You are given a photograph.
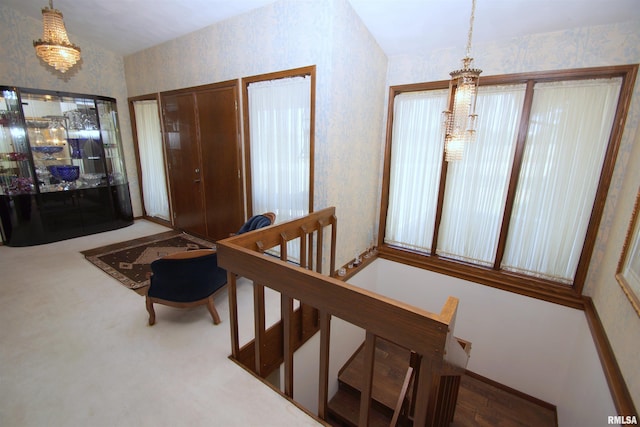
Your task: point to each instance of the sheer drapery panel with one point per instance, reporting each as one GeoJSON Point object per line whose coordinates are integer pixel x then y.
{"type": "Point", "coordinates": [279, 126]}
{"type": "Point", "coordinates": [154, 184]}
{"type": "Point", "coordinates": [476, 188]}
{"type": "Point", "coordinates": [416, 158]}
{"type": "Point", "coordinates": [279, 118]}
{"type": "Point", "coordinates": [566, 144]}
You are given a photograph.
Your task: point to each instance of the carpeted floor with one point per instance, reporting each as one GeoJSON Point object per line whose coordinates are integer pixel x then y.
{"type": "Point", "coordinates": [129, 262]}
{"type": "Point", "coordinates": [76, 349]}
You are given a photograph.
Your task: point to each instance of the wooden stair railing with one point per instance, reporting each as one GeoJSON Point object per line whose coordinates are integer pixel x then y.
{"type": "Point", "coordinates": [266, 352]}
{"type": "Point", "coordinates": [401, 406]}
{"type": "Point", "coordinates": [429, 335]}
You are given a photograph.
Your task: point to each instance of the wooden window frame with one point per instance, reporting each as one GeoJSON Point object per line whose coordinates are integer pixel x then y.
{"type": "Point", "coordinates": [630, 287]}
{"type": "Point", "coordinates": [134, 129]}
{"type": "Point", "coordinates": [568, 295]}
{"type": "Point", "coordinates": [246, 81]}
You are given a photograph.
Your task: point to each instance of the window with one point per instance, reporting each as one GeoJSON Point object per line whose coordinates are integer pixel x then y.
{"type": "Point", "coordinates": [151, 155]}
{"type": "Point", "coordinates": [522, 204]}
{"type": "Point", "coordinates": [279, 150]}
{"type": "Point", "coordinates": [279, 128]}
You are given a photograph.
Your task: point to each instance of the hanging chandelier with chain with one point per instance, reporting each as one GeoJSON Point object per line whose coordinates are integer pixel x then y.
{"type": "Point", "coordinates": [54, 47]}
{"type": "Point", "coordinates": [459, 122]}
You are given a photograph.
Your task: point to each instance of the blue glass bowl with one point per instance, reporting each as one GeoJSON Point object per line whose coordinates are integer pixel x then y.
{"type": "Point", "coordinates": [65, 172]}
{"type": "Point", "coordinates": [47, 149]}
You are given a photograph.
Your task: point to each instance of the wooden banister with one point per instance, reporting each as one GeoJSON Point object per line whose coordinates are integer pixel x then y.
{"type": "Point", "coordinates": [402, 397]}
{"type": "Point", "coordinates": [429, 335]}
{"type": "Point", "coordinates": [456, 353]}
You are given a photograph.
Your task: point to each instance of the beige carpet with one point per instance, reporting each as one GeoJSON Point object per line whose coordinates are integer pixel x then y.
{"type": "Point", "coordinates": [76, 349]}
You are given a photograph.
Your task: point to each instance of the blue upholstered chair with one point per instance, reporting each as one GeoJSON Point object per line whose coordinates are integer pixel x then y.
{"type": "Point", "coordinates": [191, 278]}
{"type": "Point", "coordinates": [186, 279]}
{"type": "Point", "coordinates": [257, 221]}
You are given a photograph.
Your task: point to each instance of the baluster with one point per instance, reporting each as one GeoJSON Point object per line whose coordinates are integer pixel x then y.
{"type": "Point", "coordinates": [425, 379]}
{"type": "Point", "coordinates": [319, 248]}
{"type": "Point", "coordinates": [283, 247]}
{"type": "Point", "coordinates": [259, 320]}
{"type": "Point", "coordinates": [367, 384]}
{"type": "Point", "coordinates": [325, 339]}
{"type": "Point", "coordinates": [310, 250]}
{"type": "Point", "coordinates": [334, 232]}
{"type": "Point", "coordinates": [303, 247]}
{"type": "Point", "coordinates": [233, 314]}
{"type": "Point", "coordinates": [286, 304]}
{"type": "Point", "coordinates": [286, 311]}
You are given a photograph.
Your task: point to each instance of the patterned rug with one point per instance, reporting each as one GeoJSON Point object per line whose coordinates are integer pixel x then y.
{"type": "Point", "coordinates": [129, 262]}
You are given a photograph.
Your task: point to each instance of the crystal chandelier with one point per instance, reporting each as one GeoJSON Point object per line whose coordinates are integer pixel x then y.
{"type": "Point", "coordinates": [459, 124]}
{"type": "Point", "coordinates": [54, 47]}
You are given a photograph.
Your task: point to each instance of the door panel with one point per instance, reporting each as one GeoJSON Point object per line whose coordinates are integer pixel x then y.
{"type": "Point", "coordinates": [221, 157]}
{"type": "Point", "coordinates": [183, 162]}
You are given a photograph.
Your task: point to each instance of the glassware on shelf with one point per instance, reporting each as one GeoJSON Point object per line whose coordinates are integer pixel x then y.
{"type": "Point", "coordinates": [92, 179]}
{"type": "Point", "coordinates": [18, 185]}
{"type": "Point", "coordinates": [77, 147]}
{"type": "Point", "coordinates": [57, 132]}
{"type": "Point", "coordinates": [45, 144]}
{"type": "Point", "coordinates": [47, 150]}
{"type": "Point", "coordinates": [14, 156]}
{"type": "Point", "coordinates": [44, 175]}
{"type": "Point", "coordinates": [357, 260]}
{"type": "Point", "coordinates": [68, 174]}
{"type": "Point", "coordinates": [116, 178]}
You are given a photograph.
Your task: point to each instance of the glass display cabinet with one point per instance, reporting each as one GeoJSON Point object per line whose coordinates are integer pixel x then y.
{"type": "Point", "coordinates": [62, 171]}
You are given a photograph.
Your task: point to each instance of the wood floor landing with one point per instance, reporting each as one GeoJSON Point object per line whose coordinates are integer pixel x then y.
{"type": "Point", "coordinates": [485, 404]}
{"type": "Point", "coordinates": [481, 402]}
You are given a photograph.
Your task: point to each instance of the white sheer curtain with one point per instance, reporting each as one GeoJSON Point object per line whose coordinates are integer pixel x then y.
{"type": "Point", "coordinates": [154, 186]}
{"type": "Point", "coordinates": [476, 188]}
{"type": "Point", "coordinates": [570, 127]}
{"type": "Point", "coordinates": [279, 126]}
{"type": "Point", "coordinates": [416, 158]}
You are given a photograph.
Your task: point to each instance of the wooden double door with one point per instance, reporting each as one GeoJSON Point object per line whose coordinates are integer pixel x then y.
{"type": "Point", "coordinates": [204, 161]}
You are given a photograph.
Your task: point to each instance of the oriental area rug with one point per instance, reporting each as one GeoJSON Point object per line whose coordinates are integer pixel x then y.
{"type": "Point", "coordinates": [130, 262]}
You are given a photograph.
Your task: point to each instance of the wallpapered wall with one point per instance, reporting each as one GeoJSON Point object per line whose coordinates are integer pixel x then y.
{"type": "Point", "coordinates": [100, 72]}
{"type": "Point", "coordinates": [350, 108]}
{"type": "Point", "coordinates": [349, 93]}
{"type": "Point", "coordinates": [586, 47]}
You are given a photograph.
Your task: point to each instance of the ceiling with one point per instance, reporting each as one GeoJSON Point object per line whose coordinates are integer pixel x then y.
{"type": "Point", "coordinates": [399, 26]}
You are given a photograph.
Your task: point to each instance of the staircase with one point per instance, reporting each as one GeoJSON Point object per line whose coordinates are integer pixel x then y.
{"type": "Point", "coordinates": [390, 366]}
{"type": "Point", "coordinates": [480, 402]}
{"type": "Point", "coordinates": [388, 378]}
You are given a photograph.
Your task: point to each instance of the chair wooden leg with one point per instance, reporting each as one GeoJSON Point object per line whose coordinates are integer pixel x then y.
{"type": "Point", "coordinates": [212, 310]}
{"type": "Point", "coordinates": [152, 313]}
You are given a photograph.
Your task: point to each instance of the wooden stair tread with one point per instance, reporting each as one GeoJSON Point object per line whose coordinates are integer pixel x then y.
{"type": "Point", "coordinates": [390, 368]}
{"type": "Point", "coordinates": [345, 407]}
{"type": "Point", "coordinates": [480, 403]}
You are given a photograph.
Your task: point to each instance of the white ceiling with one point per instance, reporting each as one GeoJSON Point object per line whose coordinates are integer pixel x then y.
{"type": "Point", "coordinates": [399, 26]}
